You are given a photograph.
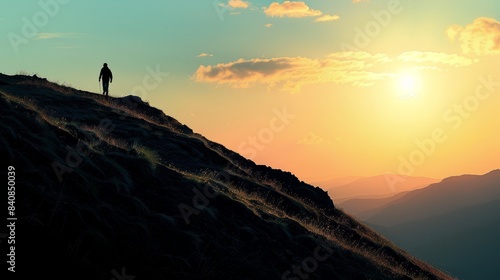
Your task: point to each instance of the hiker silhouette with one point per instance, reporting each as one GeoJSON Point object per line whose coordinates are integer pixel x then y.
{"type": "Point", "coordinates": [107, 77]}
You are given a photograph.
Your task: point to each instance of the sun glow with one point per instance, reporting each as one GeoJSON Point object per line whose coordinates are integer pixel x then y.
{"type": "Point", "coordinates": [408, 84]}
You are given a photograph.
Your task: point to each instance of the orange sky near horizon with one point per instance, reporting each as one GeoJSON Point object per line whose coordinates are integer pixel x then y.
{"type": "Point", "coordinates": [434, 123]}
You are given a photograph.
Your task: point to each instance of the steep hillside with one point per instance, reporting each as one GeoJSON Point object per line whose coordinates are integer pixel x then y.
{"type": "Point", "coordinates": [115, 189]}
{"type": "Point", "coordinates": [453, 224]}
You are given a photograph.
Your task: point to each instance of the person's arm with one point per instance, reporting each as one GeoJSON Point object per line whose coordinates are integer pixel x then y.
{"type": "Point", "coordinates": [110, 76]}
{"type": "Point", "coordinates": [100, 75]}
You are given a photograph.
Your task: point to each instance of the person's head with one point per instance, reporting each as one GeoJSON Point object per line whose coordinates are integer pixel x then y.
{"type": "Point", "coordinates": [105, 65]}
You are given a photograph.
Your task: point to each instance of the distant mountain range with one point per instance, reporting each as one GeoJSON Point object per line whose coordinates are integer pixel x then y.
{"type": "Point", "coordinates": [112, 188]}
{"type": "Point", "coordinates": [331, 183]}
{"type": "Point", "coordinates": [360, 207]}
{"type": "Point", "coordinates": [381, 186]}
{"type": "Point", "coordinates": [453, 224]}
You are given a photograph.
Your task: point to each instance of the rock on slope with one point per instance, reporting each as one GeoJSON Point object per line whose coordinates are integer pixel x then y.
{"type": "Point", "coordinates": [113, 188]}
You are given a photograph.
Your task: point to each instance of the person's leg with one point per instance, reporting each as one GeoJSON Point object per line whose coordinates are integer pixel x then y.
{"type": "Point", "coordinates": [105, 86]}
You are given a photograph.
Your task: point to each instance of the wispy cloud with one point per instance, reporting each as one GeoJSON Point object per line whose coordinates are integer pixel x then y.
{"type": "Point", "coordinates": [434, 58]}
{"type": "Point", "coordinates": [204, 55]}
{"type": "Point", "coordinates": [327, 18]}
{"type": "Point", "coordinates": [481, 37]}
{"type": "Point", "coordinates": [44, 36]}
{"type": "Point", "coordinates": [311, 139]}
{"type": "Point", "coordinates": [60, 35]}
{"type": "Point", "coordinates": [268, 25]}
{"type": "Point", "coordinates": [361, 56]}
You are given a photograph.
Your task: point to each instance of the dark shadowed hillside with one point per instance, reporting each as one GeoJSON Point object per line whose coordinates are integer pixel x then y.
{"type": "Point", "coordinates": [115, 189]}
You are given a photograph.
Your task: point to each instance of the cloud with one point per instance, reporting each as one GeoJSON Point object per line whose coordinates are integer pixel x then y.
{"type": "Point", "coordinates": [61, 43]}
{"type": "Point", "coordinates": [268, 25]}
{"type": "Point", "coordinates": [359, 1]}
{"type": "Point", "coordinates": [355, 68]}
{"type": "Point", "coordinates": [235, 4]}
{"type": "Point", "coordinates": [47, 36]}
{"type": "Point", "coordinates": [292, 73]}
{"type": "Point", "coordinates": [311, 139]}
{"type": "Point", "coordinates": [297, 10]}
{"type": "Point", "coordinates": [363, 60]}
{"type": "Point", "coordinates": [327, 18]}
{"type": "Point", "coordinates": [291, 9]}
{"type": "Point", "coordinates": [44, 36]}
{"type": "Point", "coordinates": [204, 55]}
{"type": "Point", "coordinates": [434, 58]}
{"type": "Point", "coordinates": [453, 31]}
{"type": "Point", "coordinates": [481, 37]}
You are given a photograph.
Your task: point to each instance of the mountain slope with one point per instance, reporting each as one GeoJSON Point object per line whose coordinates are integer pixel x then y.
{"type": "Point", "coordinates": [107, 188]}
{"type": "Point", "coordinates": [453, 224]}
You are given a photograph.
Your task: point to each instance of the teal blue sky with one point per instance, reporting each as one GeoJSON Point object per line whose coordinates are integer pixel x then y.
{"type": "Point", "coordinates": [131, 35]}
{"type": "Point", "coordinates": [69, 40]}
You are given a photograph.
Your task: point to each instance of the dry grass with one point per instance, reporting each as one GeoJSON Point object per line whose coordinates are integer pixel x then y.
{"type": "Point", "coordinates": [44, 83]}
{"type": "Point", "coordinates": [148, 154]}
{"type": "Point", "coordinates": [31, 105]}
{"type": "Point", "coordinates": [105, 137]}
{"type": "Point", "coordinates": [322, 226]}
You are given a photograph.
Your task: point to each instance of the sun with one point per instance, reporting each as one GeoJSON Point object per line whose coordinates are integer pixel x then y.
{"type": "Point", "coordinates": [408, 84]}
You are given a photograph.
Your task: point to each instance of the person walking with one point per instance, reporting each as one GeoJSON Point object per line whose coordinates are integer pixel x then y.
{"type": "Point", "coordinates": [107, 77]}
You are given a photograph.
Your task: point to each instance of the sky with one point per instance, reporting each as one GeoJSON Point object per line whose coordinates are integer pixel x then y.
{"type": "Point", "coordinates": [322, 88]}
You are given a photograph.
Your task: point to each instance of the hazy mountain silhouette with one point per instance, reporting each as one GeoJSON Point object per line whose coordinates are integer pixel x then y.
{"type": "Point", "coordinates": [358, 206]}
{"type": "Point", "coordinates": [381, 186]}
{"type": "Point", "coordinates": [108, 188]}
{"type": "Point", "coordinates": [453, 224]}
{"type": "Point", "coordinates": [332, 183]}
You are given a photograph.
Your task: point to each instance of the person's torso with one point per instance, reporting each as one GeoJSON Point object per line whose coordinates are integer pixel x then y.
{"type": "Point", "coordinates": [106, 73]}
